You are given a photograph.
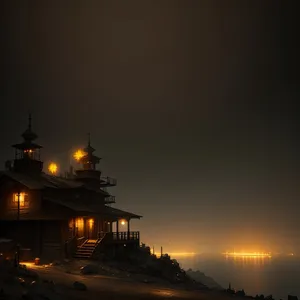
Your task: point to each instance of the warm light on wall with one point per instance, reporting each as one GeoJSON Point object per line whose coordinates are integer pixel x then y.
{"type": "Point", "coordinates": [79, 223]}
{"type": "Point", "coordinates": [91, 223]}
{"type": "Point", "coordinates": [20, 198]}
{"type": "Point", "coordinates": [53, 168]}
{"type": "Point", "coordinates": [79, 154]}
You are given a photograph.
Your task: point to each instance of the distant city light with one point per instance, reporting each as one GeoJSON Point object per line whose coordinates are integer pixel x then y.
{"type": "Point", "coordinates": [247, 254]}
{"type": "Point", "coordinates": [53, 168]}
{"type": "Point", "coordinates": [79, 154]}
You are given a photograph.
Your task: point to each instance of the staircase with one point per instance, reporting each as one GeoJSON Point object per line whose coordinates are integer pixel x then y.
{"type": "Point", "coordinates": [87, 249]}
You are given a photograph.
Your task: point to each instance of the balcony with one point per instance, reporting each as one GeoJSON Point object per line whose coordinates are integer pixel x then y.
{"type": "Point", "coordinates": [108, 181]}
{"type": "Point", "coordinates": [124, 236]}
{"type": "Point", "coordinates": [110, 200]}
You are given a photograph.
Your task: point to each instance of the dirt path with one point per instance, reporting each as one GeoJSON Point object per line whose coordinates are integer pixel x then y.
{"type": "Point", "coordinates": [105, 287]}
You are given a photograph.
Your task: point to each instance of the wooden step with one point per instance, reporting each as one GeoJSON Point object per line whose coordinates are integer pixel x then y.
{"type": "Point", "coordinates": [87, 249]}
{"type": "Point", "coordinates": [84, 251]}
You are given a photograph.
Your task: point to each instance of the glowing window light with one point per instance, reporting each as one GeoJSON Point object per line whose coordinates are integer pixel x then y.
{"type": "Point", "coordinates": [28, 151]}
{"type": "Point", "coordinates": [79, 223]}
{"type": "Point", "coordinates": [53, 168]}
{"type": "Point", "coordinates": [91, 223]}
{"type": "Point", "coordinates": [22, 198]}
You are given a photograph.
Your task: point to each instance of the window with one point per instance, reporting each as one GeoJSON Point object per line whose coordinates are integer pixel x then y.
{"type": "Point", "coordinates": [23, 198]}
{"type": "Point", "coordinates": [79, 224]}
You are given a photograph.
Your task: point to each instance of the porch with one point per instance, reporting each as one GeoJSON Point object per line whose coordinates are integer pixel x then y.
{"type": "Point", "coordinates": [89, 236]}
{"type": "Point", "coordinates": [123, 236]}
{"type": "Point", "coordinates": [95, 228]}
{"type": "Point", "coordinates": [84, 248]}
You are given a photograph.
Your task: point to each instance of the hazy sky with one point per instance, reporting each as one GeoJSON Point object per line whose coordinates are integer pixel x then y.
{"type": "Point", "coordinates": [191, 104]}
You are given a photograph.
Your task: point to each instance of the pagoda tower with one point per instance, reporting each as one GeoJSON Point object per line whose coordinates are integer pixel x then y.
{"type": "Point", "coordinates": [89, 173]}
{"type": "Point", "coordinates": [27, 154]}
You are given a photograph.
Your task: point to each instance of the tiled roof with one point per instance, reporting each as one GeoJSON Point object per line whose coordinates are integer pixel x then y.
{"type": "Point", "coordinates": [72, 205]}
{"type": "Point", "coordinates": [40, 181]}
{"type": "Point", "coordinates": [94, 209]}
{"type": "Point", "coordinates": [119, 213]}
{"type": "Point", "coordinates": [30, 182]}
{"type": "Point", "coordinates": [59, 182]}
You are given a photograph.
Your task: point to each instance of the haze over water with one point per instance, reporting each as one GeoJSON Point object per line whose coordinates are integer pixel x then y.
{"type": "Point", "coordinates": [278, 275]}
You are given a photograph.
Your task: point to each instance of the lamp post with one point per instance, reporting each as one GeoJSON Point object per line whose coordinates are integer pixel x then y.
{"type": "Point", "coordinates": [17, 259]}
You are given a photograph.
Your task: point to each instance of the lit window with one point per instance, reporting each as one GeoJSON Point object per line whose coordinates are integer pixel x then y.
{"type": "Point", "coordinates": [79, 223]}
{"type": "Point", "coordinates": [22, 198]}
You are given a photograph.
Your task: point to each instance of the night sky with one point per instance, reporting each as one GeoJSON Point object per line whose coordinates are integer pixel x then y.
{"type": "Point", "coordinates": [191, 104]}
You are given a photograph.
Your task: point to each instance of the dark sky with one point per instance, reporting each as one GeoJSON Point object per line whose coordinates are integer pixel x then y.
{"type": "Point", "coordinates": [191, 104]}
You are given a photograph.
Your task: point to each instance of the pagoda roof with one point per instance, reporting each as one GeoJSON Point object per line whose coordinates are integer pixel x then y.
{"type": "Point", "coordinates": [29, 135]}
{"type": "Point", "coordinates": [90, 158]}
{"type": "Point", "coordinates": [27, 145]}
{"type": "Point", "coordinates": [89, 148]}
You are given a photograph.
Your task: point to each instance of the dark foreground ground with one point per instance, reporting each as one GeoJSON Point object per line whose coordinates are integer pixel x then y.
{"type": "Point", "coordinates": [111, 287]}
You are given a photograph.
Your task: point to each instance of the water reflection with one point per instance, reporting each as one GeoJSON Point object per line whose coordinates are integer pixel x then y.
{"type": "Point", "coordinates": [257, 261]}
{"type": "Point", "coordinates": [277, 275]}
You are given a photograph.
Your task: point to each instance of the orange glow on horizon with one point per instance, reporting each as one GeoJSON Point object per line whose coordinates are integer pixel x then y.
{"type": "Point", "coordinates": [181, 253]}
{"type": "Point", "coordinates": [248, 254]}
{"type": "Point", "coordinates": [79, 154]}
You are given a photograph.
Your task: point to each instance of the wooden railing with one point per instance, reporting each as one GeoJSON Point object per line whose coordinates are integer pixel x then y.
{"type": "Point", "coordinates": [72, 246]}
{"type": "Point", "coordinates": [124, 236]}
{"type": "Point", "coordinates": [108, 181]}
{"type": "Point", "coordinates": [110, 199]}
{"type": "Point", "coordinates": [80, 241]}
{"type": "Point", "coordinates": [101, 235]}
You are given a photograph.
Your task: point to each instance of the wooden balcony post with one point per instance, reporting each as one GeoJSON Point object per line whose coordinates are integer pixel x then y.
{"type": "Point", "coordinates": [74, 226]}
{"type": "Point", "coordinates": [128, 229]}
{"type": "Point", "coordinates": [117, 225]}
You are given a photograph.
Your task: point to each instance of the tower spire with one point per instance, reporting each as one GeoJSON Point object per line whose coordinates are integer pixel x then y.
{"type": "Point", "coordinates": [89, 172]}
{"type": "Point", "coordinates": [27, 156]}
{"type": "Point", "coordinates": [29, 121]}
{"type": "Point", "coordinates": [89, 139]}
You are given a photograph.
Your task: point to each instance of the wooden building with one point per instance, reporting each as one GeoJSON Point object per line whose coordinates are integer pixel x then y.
{"type": "Point", "coordinates": [57, 217]}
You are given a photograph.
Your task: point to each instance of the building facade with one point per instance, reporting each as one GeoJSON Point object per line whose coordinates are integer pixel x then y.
{"type": "Point", "coordinates": [61, 217]}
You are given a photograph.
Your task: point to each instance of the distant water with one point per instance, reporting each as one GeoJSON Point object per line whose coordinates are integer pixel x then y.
{"type": "Point", "coordinates": [279, 275]}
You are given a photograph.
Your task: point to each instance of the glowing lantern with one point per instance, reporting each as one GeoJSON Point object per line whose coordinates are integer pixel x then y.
{"type": "Point", "coordinates": [79, 154]}
{"type": "Point", "coordinates": [53, 168]}
{"type": "Point", "coordinates": [123, 222]}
